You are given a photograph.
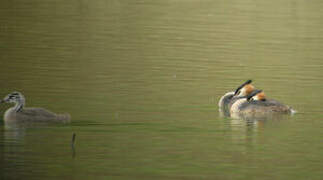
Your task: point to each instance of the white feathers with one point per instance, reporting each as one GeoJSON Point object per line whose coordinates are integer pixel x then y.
{"type": "Point", "coordinates": [236, 106]}
{"type": "Point", "coordinates": [221, 103]}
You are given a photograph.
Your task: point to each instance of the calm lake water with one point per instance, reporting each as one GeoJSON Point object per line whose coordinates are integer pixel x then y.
{"type": "Point", "coordinates": [141, 80]}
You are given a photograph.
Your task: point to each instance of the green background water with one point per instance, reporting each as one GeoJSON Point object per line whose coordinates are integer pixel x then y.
{"type": "Point", "coordinates": [141, 80]}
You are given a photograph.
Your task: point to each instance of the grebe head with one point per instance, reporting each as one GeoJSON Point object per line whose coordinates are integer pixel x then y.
{"type": "Point", "coordinates": [257, 95]}
{"type": "Point", "coordinates": [15, 97]}
{"type": "Point", "coordinates": [244, 89]}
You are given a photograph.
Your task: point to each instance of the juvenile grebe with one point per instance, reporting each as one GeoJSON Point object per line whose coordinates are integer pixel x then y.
{"type": "Point", "coordinates": [20, 114]}
{"type": "Point", "coordinates": [257, 104]}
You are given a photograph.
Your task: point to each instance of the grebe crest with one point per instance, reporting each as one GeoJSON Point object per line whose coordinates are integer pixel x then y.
{"type": "Point", "coordinates": [244, 89]}
{"type": "Point", "coordinates": [257, 95]}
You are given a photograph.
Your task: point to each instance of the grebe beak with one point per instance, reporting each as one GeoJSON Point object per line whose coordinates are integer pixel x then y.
{"type": "Point", "coordinates": [5, 100]}
{"type": "Point", "coordinates": [241, 86]}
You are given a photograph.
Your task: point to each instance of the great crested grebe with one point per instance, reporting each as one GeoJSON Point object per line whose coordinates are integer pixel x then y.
{"type": "Point", "coordinates": [257, 104]}
{"type": "Point", "coordinates": [20, 114]}
{"type": "Point", "coordinates": [229, 98]}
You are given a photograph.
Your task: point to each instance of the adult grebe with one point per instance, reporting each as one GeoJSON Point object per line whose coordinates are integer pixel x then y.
{"type": "Point", "coordinates": [257, 104]}
{"type": "Point", "coordinates": [229, 98]}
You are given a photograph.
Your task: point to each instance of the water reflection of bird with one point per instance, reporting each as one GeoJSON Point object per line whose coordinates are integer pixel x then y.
{"type": "Point", "coordinates": [20, 114]}
{"type": "Point", "coordinates": [229, 98]}
{"type": "Point", "coordinates": [256, 104]}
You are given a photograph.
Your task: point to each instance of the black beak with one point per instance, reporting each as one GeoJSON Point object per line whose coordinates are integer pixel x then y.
{"type": "Point", "coordinates": [241, 86]}
{"type": "Point", "coordinates": [255, 92]}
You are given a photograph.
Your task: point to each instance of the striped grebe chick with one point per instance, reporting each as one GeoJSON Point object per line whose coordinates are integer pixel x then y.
{"type": "Point", "coordinates": [20, 114]}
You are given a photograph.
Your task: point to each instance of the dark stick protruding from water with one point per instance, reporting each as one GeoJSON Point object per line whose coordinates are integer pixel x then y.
{"type": "Point", "coordinates": [73, 144]}
{"type": "Point", "coordinates": [73, 140]}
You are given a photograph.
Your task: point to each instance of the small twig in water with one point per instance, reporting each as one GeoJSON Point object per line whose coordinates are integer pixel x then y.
{"type": "Point", "coordinates": [73, 144]}
{"type": "Point", "coordinates": [73, 140]}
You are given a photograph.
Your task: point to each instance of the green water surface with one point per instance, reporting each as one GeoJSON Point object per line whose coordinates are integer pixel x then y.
{"type": "Point", "coordinates": [142, 79]}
